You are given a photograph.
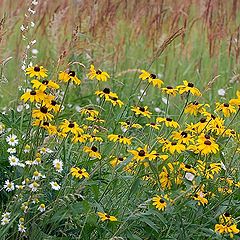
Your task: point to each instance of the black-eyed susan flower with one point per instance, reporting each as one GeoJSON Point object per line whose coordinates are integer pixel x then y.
{"type": "Point", "coordinates": [79, 172]}
{"type": "Point", "coordinates": [127, 125]}
{"type": "Point", "coordinates": [89, 111]}
{"type": "Point", "coordinates": [201, 198]}
{"type": "Point", "coordinates": [92, 152]}
{"type": "Point", "coordinates": [120, 139]}
{"type": "Point", "coordinates": [33, 95]}
{"type": "Point", "coordinates": [140, 154]}
{"type": "Point", "coordinates": [115, 101]}
{"type": "Point", "coordinates": [52, 105]}
{"type": "Point", "coordinates": [95, 119]}
{"type": "Point", "coordinates": [169, 122]}
{"type": "Point", "coordinates": [37, 71]}
{"type": "Point", "coordinates": [151, 78]}
{"type": "Point", "coordinates": [165, 179]}
{"type": "Point", "coordinates": [116, 160]}
{"type": "Point", "coordinates": [69, 126]}
{"type": "Point", "coordinates": [81, 138]}
{"type": "Point", "coordinates": [182, 137]}
{"type": "Point", "coordinates": [159, 202]}
{"type": "Point", "coordinates": [153, 125]}
{"type": "Point", "coordinates": [188, 87]}
{"type": "Point", "coordinates": [42, 86]}
{"type": "Point", "coordinates": [169, 90]}
{"type": "Point", "coordinates": [142, 111]}
{"type": "Point", "coordinates": [207, 145]}
{"type": "Point", "coordinates": [52, 129]}
{"type": "Point", "coordinates": [106, 217]}
{"type": "Point", "coordinates": [173, 147]}
{"type": "Point", "coordinates": [70, 76]}
{"type": "Point", "coordinates": [98, 74]}
{"type": "Point", "coordinates": [235, 101]}
{"type": "Point", "coordinates": [208, 170]}
{"type": "Point", "coordinates": [226, 108]}
{"type": "Point", "coordinates": [106, 93]}
{"type": "Point", "coordinates": [42, 114]}
{"type": "Point", "coordinates": [194, 108]}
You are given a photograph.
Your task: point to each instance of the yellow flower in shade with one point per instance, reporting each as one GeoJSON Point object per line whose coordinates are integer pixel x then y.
{"type": "Point", "coordinates": [79, 172]}
{"type": "Point", "coordinates": [120, 139]}
{"type": "Point", "coordinates": [182, 137]}
{"type": "Point", "coordinates": [207, 145]}
{"type": "Point", "coordinates": [115, 101]}
{"type": "Point", "coordinates": [52, 130]}
{"type": "Point", "coordinates": [173, 147]}
{"type": "Point", "coordinates": [127, 125]}
{"type": "Point", "coordinates": [69, 126]}
{"type": "Point", "coordinates": [169, 122]}
{"type": "Point", "coordinates": [39, 72]}
{"type": "Point", "coordinates": [153, 125]}
{"type": "Point", "coordinates": [216, 125]}
{"type": "Point", "coordinates": [52, 105]}
{"type": "Point", "coordinates": [201, 198]}
{"type": "Point", "coordinates": [152, 78]}
{"type": "Point", "coordinates": [42, 86]}
{"type": "Point", "coordinates": [188, 87]}
{"type": "Point", "coordinates": [116, 160]}
{"type": "Point", "coordinates": [170, 91]}
{"type": "Point", "coordinates": [92, 152]}
{"type": "Point", "coordinates": [208, 170]}
{"type": "Point", "coordinates": [142, 111]}
{"type": "Point", "coordinates": [33, 95]}
{"type": "Point", "coordinates": [159, 202]}
{"type": "Point", "coordinates": [106, 217]}
{"type": "Point", "coordinates": [235, 101]}
{"type": "Point", "coordinates": [99, 74]}
{"type": "Point", "coordinates": [89, 111]}
{"type": "Point", "coordinates": [230, 133]}
{"type": "Point", "coordinates": [94, 138]}
{"type": "Point", "coordinates": [226, 108]}
{"type": "Point", "coordinates": [165, 179]}
{"type": "Point", "coordinates": [42, 114]}
{"type": "Point", "coordinates": [66, 77]}
{"type": "Point", "coordinates": [188, 168]}
{"type": "Point", "coordinates": [106, 93]}
{"type": "Point", "coordinates": [194, 108]}
{"type": "Point", "coordinates": [82, 138]}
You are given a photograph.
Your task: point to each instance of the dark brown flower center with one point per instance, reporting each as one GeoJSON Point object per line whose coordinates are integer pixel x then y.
{"type": "Point", "coordinates": [45, 82]}
{"type": "Point", "coordinates": [94, 149]}
{"type": "Point", "coordinates": [33, 93]}
{"type": "Point", "coordinates": [184, 134]}
{"type": "Point", "coordinates": [80, 171]}
{"type": "Point", "coordinates": [53, 102]}
{"type": "Point", "coordinates": [226, 214]}
{"type": "Point", "coordinates": [72, 74]}
{"type": "Point", "coordinates": [153, 76]}
{"type": "Point", "coordinates": [207, 136]}
{"type": "Point", "coordinates": [45, 124]}
{"type": "Point", "coordinates": [71, 125]}
{"type": "Point", "coordinates": [107, 216]}
{"type": "Point", "coordinates": [162, 201]}
{"type": "Point", "coordinates": [190, 85]}
{"type": "Point", "coordinates": [36, 69]}
{"type": "Point", "coordinates": [152, 123]}
{"type": "Point", "coordinates": [169, 87]}
{"type": "Point", "coordinates": [98, 72]}
{"type": "Point", "coordinates": [142, 109]}
{"type": "Point", "coordinates": [202, 120]}
{"type": "Point", "coordinates": [120, 159]}
{"type": "Point", "coordinates": [141, 153]}
{"type": "Point", "coordinates": [226, 105]}
{"type": "Point", "coordinates": [169, 119]}
{"type": "Point", "coordinates": [106, 90]}
{"type": "Point", "coordinates": [195, 103]}
{"type": "Point", "coordinates": [188, 166]}
{"type": "Point", "coordinates": [43, 109]}
{"type": "Point", "coordinates": [207, 142]}
{"type": "Point", "coordinates": [174, 143]}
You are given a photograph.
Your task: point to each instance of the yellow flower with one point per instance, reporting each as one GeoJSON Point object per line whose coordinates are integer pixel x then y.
{"type": "Point", "coordinates": [236, 101]}
{"type": "Point", "coordinates": [39, 72]}
{"type": "Point", "coordinates": [226, 108]}
{"type": "Point", "coordinates": [117, 160]}
{"type": "Point", "coordinates": [200, 197]}
{"type": "Point", "coordinates": [165, 179]}
{"type": "Point", "coordinates": [67, 126]}
{"type": "Point", "coordinates": [92, 152]}
{"type": "Point", "coordinates": [182, 137]}
{"type": "Point", "coordinates": [106, 93]}
{"type": "Point", "coordinates": [159, 203]}
{"type": "Point", "coordinates": [126, 125]}
{"type": "Point", "coordinates": [194, 108]}
{"type": "Point", "coordinates": [173, 147]}
{"type": "Point", "coordinates": [120, 139]}
{"type": "Point", "coordinates": [153, 125]}
{"type": "Point", "coordinates": [207, 145]}
{"type": "Point", "coordinates": [170, 91]}
{"type": "Point", "coordinates": [188, 87]}
{"type": "Point", "coordinates": [105, 216]}
{"type": "Point", "coordinates": [82, 138]}
{"type": "Point", "coordinates": [99, 74]}
{"type": "Point", "coordinates": [169, 122]}
{"type": "Point", "coordinates": [42, 114]}
{"type": "Point", "coordinates": [95, 119]}
{"type": "Point", "coordinates": [71, 75]}
{"type": "Point", "coordinates": [33, 95]}
{"type": "Point", "coordinates": [115, 101]}
{"type": "Point", "coordinates": [142, 111]}
{"type": "Point", "coordinates": [42, 86]}
{"type": "Point", "coordinates": [79, 173]}
{"type": "Point", "coordinates": [140, 154]}
{"type": "Point", "coordinates": [152, 78]}
{"type": "Point", "coordinates": [89, 111]}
